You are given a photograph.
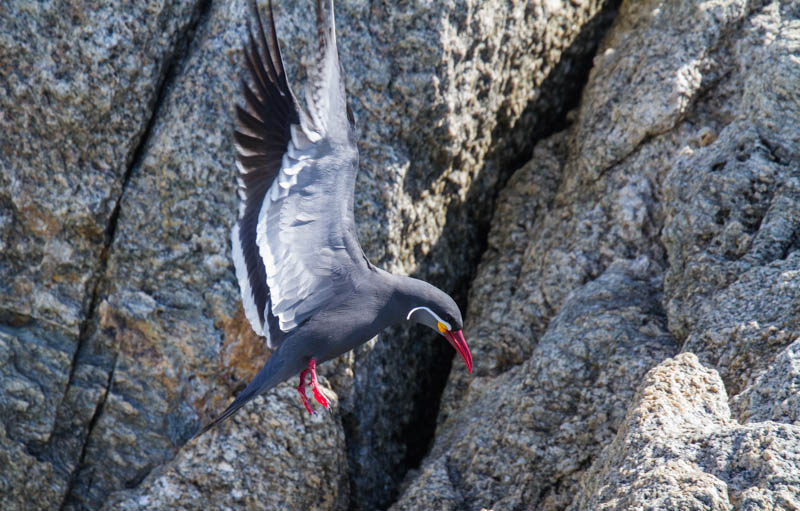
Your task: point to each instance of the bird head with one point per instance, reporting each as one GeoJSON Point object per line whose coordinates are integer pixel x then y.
{"type": "Point", "coordinates": [444, 317]}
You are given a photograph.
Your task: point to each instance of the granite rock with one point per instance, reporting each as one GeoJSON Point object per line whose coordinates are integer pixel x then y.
{"type": "Point", "coordinates": [662, 215]}
{"type": "Point", "coordinates": [553, 413]}
{"type": "Point", "coordinates": [679, 448]}
{"type": "Point", "coordinates": [24, 478]}
{"type": "Point", "coordinates": [169, 332]}
{"type": "Point", "coordinates": [272, 456]}
{"type": "Point", "coordinates": [774, 395]}
{"type": "Point", "coordinates": [679, 154]}
{"type": "Point", "coordinates": [84, 83]}
{"type": "Point", "coordinates": [78, 87]}
{"type": "Point", "coordinates": [33, 374]}
{"type": "Point", "coordinates": [446, 94]}
{"type": "Point", "coordinates": [733, 210]}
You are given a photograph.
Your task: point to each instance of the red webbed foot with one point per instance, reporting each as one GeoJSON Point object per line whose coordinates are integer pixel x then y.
{"type": "Point", "coordinates": [301, 389]}
{"type": "Point", "coordinates": [312, 366]}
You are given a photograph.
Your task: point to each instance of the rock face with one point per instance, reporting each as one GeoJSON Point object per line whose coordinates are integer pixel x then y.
{"type": "Point", "coordinates": [679, 448]}
{"type": "Point", "coordinates": [457, 87]}
{"type": "Point", "coordinates": [555, 411]}
{"type": "Point", "coordinates": [661, 217]}
{"type": "Point", "coordinates": [679, 156]}
{"type": "Point", "coordinates": [775, 394]}
{"type": "Point", "coordinates": [120, 329]}
{"type": "Point", "coordinates": [253, 464]}
{"type": "Point", "coordinates": [78, 87]}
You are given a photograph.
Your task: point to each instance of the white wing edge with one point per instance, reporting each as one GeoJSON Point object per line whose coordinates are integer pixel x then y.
{"type": "Point", "coordinates": [250, 310]}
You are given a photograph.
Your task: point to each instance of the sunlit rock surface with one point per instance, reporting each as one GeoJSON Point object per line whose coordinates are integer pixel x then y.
{"type": "Point", "coordinates": [659, 216]}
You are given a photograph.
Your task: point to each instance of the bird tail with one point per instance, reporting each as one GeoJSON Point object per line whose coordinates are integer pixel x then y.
{"type": "Point", "coordinates": [268, 377]}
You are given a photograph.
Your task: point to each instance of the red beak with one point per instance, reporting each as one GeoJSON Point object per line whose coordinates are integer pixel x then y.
{"type": "Point", "coordinates": [460, 344]}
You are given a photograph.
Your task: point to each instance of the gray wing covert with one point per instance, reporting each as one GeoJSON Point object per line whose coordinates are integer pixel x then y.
{"type": "Point", "coordinates": [297, 172]}
{"type": "Point", "coordinates": [302, 236]}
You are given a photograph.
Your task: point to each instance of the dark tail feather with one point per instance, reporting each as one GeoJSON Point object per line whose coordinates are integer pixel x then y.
{"type": "Point", "coordinates": [268, 377]}
{"type": "Point", "coordinates": [233, 408]}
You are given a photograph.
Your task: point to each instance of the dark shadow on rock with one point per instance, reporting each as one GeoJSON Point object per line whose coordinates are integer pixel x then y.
{"type": "Point", "coordinates": [392, 432]}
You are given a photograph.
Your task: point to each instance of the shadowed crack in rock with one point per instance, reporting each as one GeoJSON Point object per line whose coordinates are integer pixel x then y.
{"type": "Point", "coordinates": [99, 282]}
{"type": "Point", "coordinates": [542, 117]}
{"type": "Point", "coordinates": [92, 423]}
{"type": "Point", "coordinates": [166, 79]}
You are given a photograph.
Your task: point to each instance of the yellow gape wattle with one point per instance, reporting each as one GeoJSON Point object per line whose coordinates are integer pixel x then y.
{"type": "Point", "coordinates": [441, 326]}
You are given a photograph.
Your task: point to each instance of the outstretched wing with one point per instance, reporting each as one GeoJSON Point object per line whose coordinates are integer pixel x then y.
{"type": "Point", "coordinates": [294, 241]}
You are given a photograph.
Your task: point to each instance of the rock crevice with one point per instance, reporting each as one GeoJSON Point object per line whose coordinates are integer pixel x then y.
{"type": "Point", "coordinates": [588, 248]}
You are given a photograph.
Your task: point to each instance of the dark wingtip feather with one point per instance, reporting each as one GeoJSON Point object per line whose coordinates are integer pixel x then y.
{"type": "Point", "coordinates": [262, 136]}
{"type": "Point", "coordinates": [249, 143]}
{"type": "Point", "coordinates": [274, 59]}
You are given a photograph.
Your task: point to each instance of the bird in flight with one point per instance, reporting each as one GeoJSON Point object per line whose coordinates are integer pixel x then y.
{"type": "Point", "coordinates": [306, 285]}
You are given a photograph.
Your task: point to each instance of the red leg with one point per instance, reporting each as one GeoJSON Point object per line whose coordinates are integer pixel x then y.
{"type": "Point", "coordinates": [312, 366]}
{"type": "Point", "coordinates": [302, 390]}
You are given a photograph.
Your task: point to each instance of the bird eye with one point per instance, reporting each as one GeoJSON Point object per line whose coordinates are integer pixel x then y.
{"type": "Point", "coordinates": [442, 327]}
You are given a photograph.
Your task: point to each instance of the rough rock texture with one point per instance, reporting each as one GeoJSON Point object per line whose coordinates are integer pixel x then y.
{"type": "Point", "coordinates": [169, 305]}
{"type": "Point", "coordinates": [25, 476]}
{"type": "Point", "coordinates": [458, 87]}
{"type": "Point", "coordinates": [663, 217]}
{"type": "Point", "coordinates": [775, 394]}
{"type": "Point", "coordinates": [118, 304]}
{"type": "Point", "coordinates": [265, 459]}
{"type": "Point", "coordinates": [78, 85]}
{"type": "Point", "coordinates": [34, 369]}
{"type": "Point", "coordinates": [683, 152]}
{"type": "Point", "coordinates": [556, 410]}
{"type": "Point", "coordinates": [679, 448]}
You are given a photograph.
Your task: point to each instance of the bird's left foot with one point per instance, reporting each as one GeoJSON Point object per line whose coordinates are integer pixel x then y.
{"type": "Point", "coordinates": [301, 389]}
{"type": "Point", "coordinates": [312, 366]}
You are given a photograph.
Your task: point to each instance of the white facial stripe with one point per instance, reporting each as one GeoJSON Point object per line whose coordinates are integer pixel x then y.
{"type": "Point", "coordinates": [415, 309]}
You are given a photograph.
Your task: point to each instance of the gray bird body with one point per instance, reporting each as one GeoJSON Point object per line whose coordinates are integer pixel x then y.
{"type": "Point", "coordinates": [306, 284]}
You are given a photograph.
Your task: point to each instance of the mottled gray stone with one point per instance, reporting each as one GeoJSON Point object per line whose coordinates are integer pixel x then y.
{"type": "Point", "coordinates": [775, 394]}
{"type": "Point", "coordinates": [33, 376]}
{"type": "Point", "coordinates": [732, 236]}
{"type": "Point", "coordinates": [733, 206]}
{"type": "Point", "coordinates": [34, 370]}
{"type": "Point", "coordinates": [25, 482]}
{"type": "Point", "coordinates": [638, 177]}
{"type": "Point", "coordinates": [435, 87]}
{"type": "Point", "coordinates": [78, 85]}
{"type": "Point", "coordinates": [169, 297]}
{"type": "Point", "coordinates": [653, 68]}
{"type": "Point", "coordinates": [575, 230]}
{"type": "Point", "coordinates": [522, 439]}
{"type": "Point", "coordinates": [680, 166]}
{"type": "Point", "coordinates": [497, 332]}
{"type": "Point", "coordinates": [445, 95]}
{"type": "Point", "coordinates": [270, 457]}
{"type": "Point", "coordinates": [679, 448]}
